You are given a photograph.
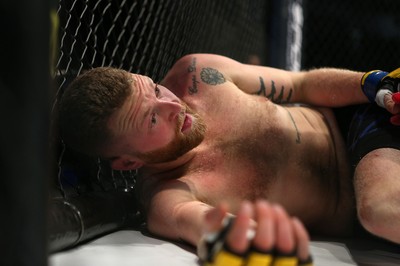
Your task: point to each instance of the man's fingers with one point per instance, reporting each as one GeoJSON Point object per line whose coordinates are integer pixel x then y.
{"type": "Point", "coordinates": [389, 104]}
{"type": "Point", "coordinates": [237, 238]}
{"type": "Point", "coordinates": [285, 242]}
{"type": "Point", "coordinates": [302, 240]}
{"type": "Point", "coordinates": [264, 239]}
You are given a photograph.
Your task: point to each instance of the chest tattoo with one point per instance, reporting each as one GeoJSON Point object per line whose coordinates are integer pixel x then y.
{"type": "Point", "coordinates": [298, 139]}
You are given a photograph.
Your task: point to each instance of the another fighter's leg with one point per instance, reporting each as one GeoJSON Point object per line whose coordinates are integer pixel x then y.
{"type": "Point", "coordinates": [377, 190]}
{"type": "Point", "coordinates": [374, 147]}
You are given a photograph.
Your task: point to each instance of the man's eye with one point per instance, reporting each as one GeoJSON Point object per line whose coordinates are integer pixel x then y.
{"type": "Point", "coordinates": [157, 91]}
{"type": "Point", "coordinates": [153, 119]}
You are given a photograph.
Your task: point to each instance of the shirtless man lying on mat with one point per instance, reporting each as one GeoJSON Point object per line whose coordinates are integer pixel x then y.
{"type": "Point", "coordinates": [216, 137]}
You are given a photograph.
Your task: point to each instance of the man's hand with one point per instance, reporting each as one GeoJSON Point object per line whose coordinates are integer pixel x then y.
{"type": "Point", "coordinates": [384, 89]}
{"type": "Point", "coordinates": [260, 234]}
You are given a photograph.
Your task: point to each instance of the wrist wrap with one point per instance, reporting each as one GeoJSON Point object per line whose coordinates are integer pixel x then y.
{"type": "Point", "coordinates": [370, 83]}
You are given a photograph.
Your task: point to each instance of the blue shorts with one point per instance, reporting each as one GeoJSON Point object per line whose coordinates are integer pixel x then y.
{"type": "Point", "coordinates": [370, 129]}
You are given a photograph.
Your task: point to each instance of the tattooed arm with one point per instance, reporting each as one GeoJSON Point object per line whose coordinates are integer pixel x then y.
{"type": "Point", "coordinates": [324, 87]}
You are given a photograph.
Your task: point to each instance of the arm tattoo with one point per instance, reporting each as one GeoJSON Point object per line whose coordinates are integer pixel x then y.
{"type": "Point", "coordinates": [272, 96]}
{"type": "Point", "coordinates": [211, 76]}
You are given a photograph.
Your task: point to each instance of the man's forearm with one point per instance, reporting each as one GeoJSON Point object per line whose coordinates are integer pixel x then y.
{"type": "Point", "coordinates": [330, 87]}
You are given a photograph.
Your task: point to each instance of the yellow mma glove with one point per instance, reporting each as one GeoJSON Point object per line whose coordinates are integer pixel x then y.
{"type": "Point", "coordinates": [376, 84]}
{"type": "Point", "coordinates": [213, 251]}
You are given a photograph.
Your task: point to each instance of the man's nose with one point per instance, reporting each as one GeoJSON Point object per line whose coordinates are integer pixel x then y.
{"type": "Point", "coordinates": [171, 109]}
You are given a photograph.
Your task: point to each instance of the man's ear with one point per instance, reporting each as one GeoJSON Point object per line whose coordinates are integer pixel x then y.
{"type": "Point", "coordinates": [125, 163]}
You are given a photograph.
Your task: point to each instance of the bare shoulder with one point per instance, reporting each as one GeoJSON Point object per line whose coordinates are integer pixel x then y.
{"type": "Point", "coordinates": [196, 63]}
{"type": "Point", "coordinates": [194, 72]}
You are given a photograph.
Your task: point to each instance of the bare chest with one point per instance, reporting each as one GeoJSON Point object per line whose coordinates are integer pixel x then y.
{"type": "Point", "coordinates": [254, 149]}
